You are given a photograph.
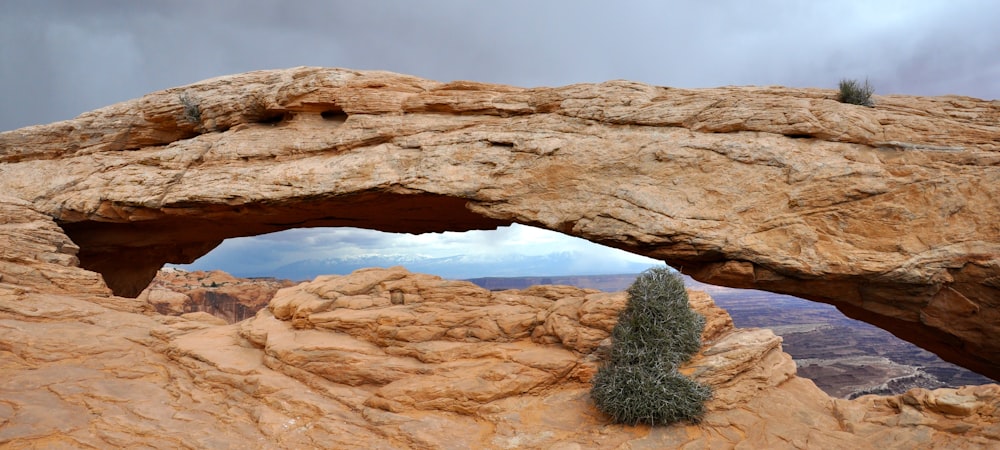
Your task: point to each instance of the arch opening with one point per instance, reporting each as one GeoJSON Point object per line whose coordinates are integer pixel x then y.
{"type": "Point", "coordinates": [844, 357]}
{"type": "Point", "coordinates": [302, 254]}
{"type": "Point", "coordinates": [128, 253]}
{"type": "Point", "coordinates": [129, 243]}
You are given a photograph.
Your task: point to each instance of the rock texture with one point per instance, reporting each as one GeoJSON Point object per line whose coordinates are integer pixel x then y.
{"type": "Point", "coordinates": [176, 292]}
{"type": "Point", "coordinates": [890, 212]}
{"type": "Point", "coordinates": [384, 358]}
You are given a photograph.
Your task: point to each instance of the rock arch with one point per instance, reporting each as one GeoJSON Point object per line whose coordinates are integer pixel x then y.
{"type": "Point", "coordinates": [888, 213]}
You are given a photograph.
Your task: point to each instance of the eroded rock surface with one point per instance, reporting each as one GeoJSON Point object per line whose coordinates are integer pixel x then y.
{"type": "Point", "coordinates": [890, 212]}
{"type": "Point", "coordinates": [446, 364]}
{"type": "Point", "coordinates": [384, 358]}
{"type": "Point", "coordinates": [176, 292]}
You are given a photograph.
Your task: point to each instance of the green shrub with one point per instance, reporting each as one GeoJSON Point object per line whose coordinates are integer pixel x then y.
{"type": "Point", "coordinates": [657, 318]}
{"type": "Point", "coordinates": [856, 93]}
{"type": "Point", "coordinates": [634, 394]}
{"type": "Point", "coordinates": [657, 331]}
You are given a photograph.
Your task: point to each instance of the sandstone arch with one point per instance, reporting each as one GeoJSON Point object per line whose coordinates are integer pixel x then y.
{"type": "Point", "coordinates": [888, 213]}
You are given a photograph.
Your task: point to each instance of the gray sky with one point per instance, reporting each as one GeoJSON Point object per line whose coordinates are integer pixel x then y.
{"type": "Point", "coordinates": [61, 58]}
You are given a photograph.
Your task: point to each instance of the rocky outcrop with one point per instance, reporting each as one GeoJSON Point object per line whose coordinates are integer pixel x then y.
{"type": "Point", "coordinates": [887, 212]}
{"type": "Point", "coordinates": [232, 299]}
{"type": "Point", "coordinates": [384, 358]}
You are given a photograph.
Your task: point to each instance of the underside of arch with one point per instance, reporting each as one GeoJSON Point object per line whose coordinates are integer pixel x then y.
{"type": "Point", "coordinates": [129, 254]}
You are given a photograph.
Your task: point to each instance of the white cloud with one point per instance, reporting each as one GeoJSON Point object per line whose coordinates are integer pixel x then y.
{"type": "Point", "coordinates": [259, 254]}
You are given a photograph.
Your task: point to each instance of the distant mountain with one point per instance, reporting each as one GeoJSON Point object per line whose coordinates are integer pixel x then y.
{"type": "Point", "coordinates": [606, 283]}
{"type": "Point", "coordinates": [464, 266]}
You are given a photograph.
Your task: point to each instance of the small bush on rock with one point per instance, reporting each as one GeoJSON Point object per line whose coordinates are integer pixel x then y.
{"type": "Point", "coordinates": [856, 93]}
{"type": "Point", "coordinates": [641, 394]}
{"type": "Point", "coordinates": [656, 332]}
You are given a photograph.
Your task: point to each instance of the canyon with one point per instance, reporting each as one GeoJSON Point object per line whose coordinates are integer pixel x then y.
{"type": "Point", "coordinates": [176, 292]}
{"type": "Point", "coordinates": [845, 358]}
{"type": "Point", "coordinates": [887, 213]}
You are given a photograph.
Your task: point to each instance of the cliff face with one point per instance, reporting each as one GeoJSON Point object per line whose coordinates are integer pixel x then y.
{"type": "Point", "coordinates": [177, 292]}
{"type": "Point", "coordinates": [887, 212]}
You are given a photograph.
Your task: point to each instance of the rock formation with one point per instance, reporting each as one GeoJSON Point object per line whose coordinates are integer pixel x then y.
{"type": "Point", "coordinates": [887, 212]}
{"type": "Point", "coordinates": [384, 358]}
{"type": "Point", "coordinates": [176, 292]}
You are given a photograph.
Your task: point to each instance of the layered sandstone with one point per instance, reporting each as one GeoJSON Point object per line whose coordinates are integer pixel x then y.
{"type": "Point", "coordinates": [889, 212]}
{"type": "Point", "coordinates": [232, 299]}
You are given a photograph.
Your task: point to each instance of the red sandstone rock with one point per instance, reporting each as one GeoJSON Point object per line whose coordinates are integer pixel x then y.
{"type": "Point", "coordinates": [232, 299]}
{"type": "Point", "coordinates": [887, 212]}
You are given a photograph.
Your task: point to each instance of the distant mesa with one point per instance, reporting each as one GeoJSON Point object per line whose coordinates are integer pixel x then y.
{"type": "Point", "coordinates": [461, 266]}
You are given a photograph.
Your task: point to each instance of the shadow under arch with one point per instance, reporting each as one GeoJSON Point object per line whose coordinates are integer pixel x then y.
{"type": "Point", "coordinates": [128, 253]}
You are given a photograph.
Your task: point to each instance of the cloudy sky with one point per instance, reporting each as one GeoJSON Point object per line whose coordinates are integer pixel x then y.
{"type": "Point", "coordinates": [61, 58]}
